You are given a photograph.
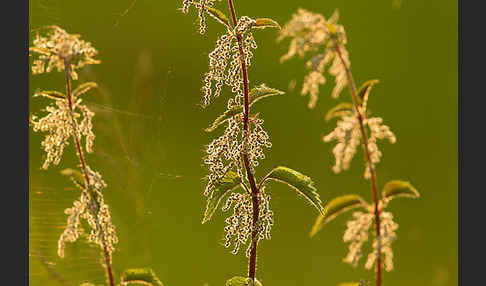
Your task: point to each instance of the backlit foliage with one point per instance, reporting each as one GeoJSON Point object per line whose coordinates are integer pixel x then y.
{"type": "Point", "coordinates": [326, 40]}
{"type": "Point", "coordinates": [56, 45]}
{"type": "Point", "coordinates": [68, 118]}
{"type": "Point", "coordinates": [309, 34]}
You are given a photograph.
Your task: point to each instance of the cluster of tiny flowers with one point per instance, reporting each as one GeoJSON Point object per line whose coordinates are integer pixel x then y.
{"type": "Point", "coordinates": [59, 46]}
{"type": "Point", "coordinates": [202, 7]}
{"type": "Point", "coordinates": [226, 53]}
{"type": "Point", "coordinates": [256, 141]}
{"type": "Point", "coordinates": [92, 208]}
{"type": "Point", "coordinates": [357, 234]}
{"type": "Point", "coordinates": [58, 124]}
{"type": "Point", "coordinates": [223, 153]}
{"type": "Point", "coordinates": [239, 224]}
{"type": "Point", "coordinates": [383, 243]}
{"type": "Point", "coordinates": [309, 33]}
{"type": "Point", "coordinates": [348, 135]}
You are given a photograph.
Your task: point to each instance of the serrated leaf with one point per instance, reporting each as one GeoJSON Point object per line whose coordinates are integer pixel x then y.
{"type": "Point", "coordinates": [335, 207]}
{"type": "Point", "coordinates": [218, 15]}
{"type": "Point", "coordinates": [242, 281]}
{"type": "Point", "coordinates": [141, 276]}
{"type": "Point", "coordinates": [52, 94]}
{"type": "Point", "coordinates": [262, 91]}
{"type": "Point", "coordinates": [263, 23]}
{"type": "Point", "coordinates": [75, 176]}
{"type": "Point", "coordinates": [83, 88]}
{"type": "Point", "coordinates": [228, 183]}
{"type": "Point", "coordinates": [396, 188]}
{"type": "Point", "coordinates": [224, 117]}
{"type": "Point", "coordinates": [339, 110]}
{"type": "Point", "coordinates": [299, 182]}
{"type": "Point", "coordinates": [364, 90]}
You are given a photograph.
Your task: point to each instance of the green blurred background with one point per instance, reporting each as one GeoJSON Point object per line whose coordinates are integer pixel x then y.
{"type": "Point", "coordinates": [150, 140]}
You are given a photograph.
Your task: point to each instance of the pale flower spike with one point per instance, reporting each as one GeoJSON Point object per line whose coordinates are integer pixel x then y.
{"type": "Point", "coordinates": [357, 234]}
{"type": "Point", "coordinates": [309, 33]}
{"type": "Point", "coordinates": [56, 46]}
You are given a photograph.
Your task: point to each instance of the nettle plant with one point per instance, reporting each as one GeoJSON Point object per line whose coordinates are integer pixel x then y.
{"type": "Point", "coordinates": [67, 117]}
{"type": "Point", "coordinates": [233, 157]}
{"type": "Point", "coordinates": [326, 40]}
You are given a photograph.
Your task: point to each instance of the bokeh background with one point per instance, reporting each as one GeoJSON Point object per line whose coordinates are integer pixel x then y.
{"type": "Point", "coordinates": [150, 139]}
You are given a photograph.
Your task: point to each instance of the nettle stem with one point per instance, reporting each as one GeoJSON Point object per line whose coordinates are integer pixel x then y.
{"type": "Point", "coordinates": [246, 161]}
{"type": "Point", "coordinates": [364, 135]}
{"type": "Point", "coordinates": [82, 160]}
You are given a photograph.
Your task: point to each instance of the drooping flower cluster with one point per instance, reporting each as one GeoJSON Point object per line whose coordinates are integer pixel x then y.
{"type": "Point", "coordinates": [357, 234]}
{"type": "Point", "coordinates": [239, 224]}
{"type": "Point", "coordinates": [202, 7]}
{"type": "Point", "coordinates": [348, 135]}
{"type": "Point", "coordinates": [60, 126]}
{"type": "Point", "coordinates": [387, 236]}
{"type": "Point", "coordinates": [225, 62]}
{"type": "Point", "coordinates": [225, 152]}
{"type": "Point", "coordinates": [57, 46]}
{"type": "Point", "coordinates": [309, 32]}
{"type": "Point", "coordinates": [92, 208]}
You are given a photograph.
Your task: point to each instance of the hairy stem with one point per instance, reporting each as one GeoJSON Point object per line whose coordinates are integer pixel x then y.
{"type": "Point", "coordinates": [82, 160]}
{"type": "Point", "coordinates": [246, 161]}
{"type": "Point", "coordinates": [364, 135]}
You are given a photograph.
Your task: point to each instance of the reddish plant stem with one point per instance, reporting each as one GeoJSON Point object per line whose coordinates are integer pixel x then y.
{"type": "Point", "coordinates": [82, 160]}
{"type": "Point", "coordinates": [364, 135]}
{"type": "Point", "coordinates": [246, 161]}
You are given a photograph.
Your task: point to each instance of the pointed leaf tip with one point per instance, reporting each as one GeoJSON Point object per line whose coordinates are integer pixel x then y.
{"type": "Point", "coordinates": [339, 110]}
{"type": "Point", "coordinates": [397, 188]}
{"type": "Point", "coordinates": [364, 90]}
{"type": "Point", "coordinates": [335, 207]}
{"type": "Point", "coordinates": [263, 23]}
{"type": "Point", "coordinates": [242, 281]}
{"type": "Point", "coordinates": [229, 182]}
{"type": "Point", "coordinates": [140, 276]}
{"type": "Point", "coordinates": [299, 182]}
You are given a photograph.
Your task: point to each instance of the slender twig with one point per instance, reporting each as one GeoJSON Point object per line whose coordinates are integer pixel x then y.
{"type": "Point", "coordinates": [82, 160]}
{"type": "Point", "coordinates": [354, 95]}
{"type": "Point", "coordinates": [246, 161]}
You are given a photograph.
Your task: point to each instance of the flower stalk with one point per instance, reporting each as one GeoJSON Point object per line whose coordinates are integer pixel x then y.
{"type": "Point", "coordinates": [246, 128]}
{"type": "Point", "coordinates": [364, 135]}
{"type": "Point", "coordinates": [82, 160]}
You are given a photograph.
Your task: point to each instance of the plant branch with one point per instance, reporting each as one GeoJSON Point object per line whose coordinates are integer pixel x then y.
{"type": "Point", "coordinates": [84, 167]}
{"type": "Point", "coordinates": [246, 161]}
{"type": "Point", "coordinates": [364, 135]}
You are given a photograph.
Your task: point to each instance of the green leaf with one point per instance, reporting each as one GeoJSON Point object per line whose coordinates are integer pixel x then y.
{"type": "Point", "coordinates": [242, 281]}
{"type": "Point", "coordinates": [335, 207]}
{"type": "Point", "coordinates": [39, 50]}
{"type": "Point", "coordinates": [262, 91]}
{"type": "Point", "coordinates": [395, 189]}
{"type": "Point", "coordinates": [52, 94]}
{"type": "Point", "coordinates": [301, 183]}
{"type": "Point", "coordinates": [332, 30]}
{"type": "Point", "coordinates": [365, 89]}
{"type": "Point", "coordinates": [339, 110]}
{"type": "Point", "coordinates": [228, 183]}
{"type": "Point", "coordinates": [255, 95]}
{"type": "Point", "coordinates": [218, 15]}
{"type": "Point", "coordinates": [263, 23]}
{"type": "Point", "coordinates": [83, 88]}
{"type": "Point", "coordinates": [75, 176]}
{"type": "Point", "coordinates": [224, 117]}
{"type": "Point", "coordinates": [141, 276]}
{"type": "Point", "coordinates": [350, 284]}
